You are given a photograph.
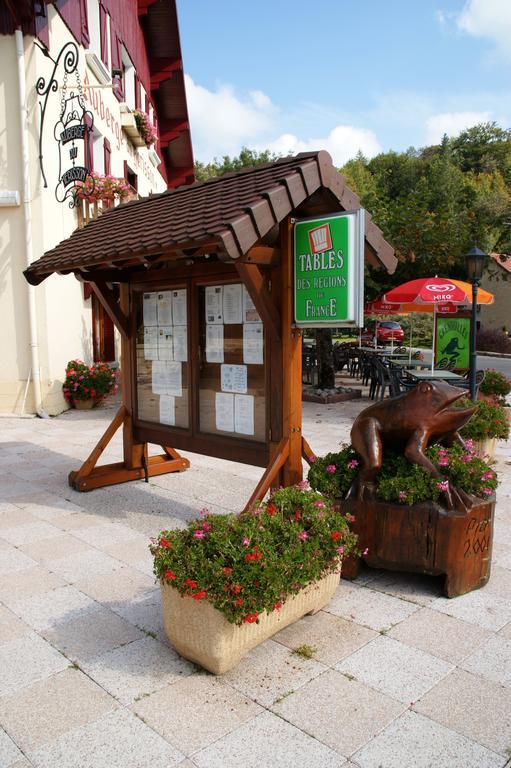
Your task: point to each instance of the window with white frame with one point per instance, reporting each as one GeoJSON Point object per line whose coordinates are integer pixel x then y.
{"type": "Point", "coordinates": [129, 79]}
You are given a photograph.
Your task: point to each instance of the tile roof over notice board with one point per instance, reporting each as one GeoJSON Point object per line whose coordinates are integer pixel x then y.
{"type": "Point", "coordinates": [231, 212]}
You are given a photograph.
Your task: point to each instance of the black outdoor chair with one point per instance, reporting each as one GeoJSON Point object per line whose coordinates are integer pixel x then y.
{"type": "Point", "coordinates": [465, 383]}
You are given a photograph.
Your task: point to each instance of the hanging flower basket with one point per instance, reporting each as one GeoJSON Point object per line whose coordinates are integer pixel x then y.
{"type": "Point", "coordinates": [145, 127]}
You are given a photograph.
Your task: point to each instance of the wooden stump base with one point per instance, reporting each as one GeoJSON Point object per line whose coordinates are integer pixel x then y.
{"type": "Point", "coordinates": [424, 538]}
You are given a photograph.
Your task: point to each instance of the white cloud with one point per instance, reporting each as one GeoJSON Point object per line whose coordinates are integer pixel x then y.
{"type": "Point", "coordinates": [343, 143]}
{"type": "Point", "coordinates": [452, 123]}
{"type": "Point", "coordinates": [221, 122]}
{"type": "Point", "coordinates": [490, 19]}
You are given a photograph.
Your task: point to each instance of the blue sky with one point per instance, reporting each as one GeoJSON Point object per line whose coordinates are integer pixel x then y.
{"type": "Point", "coordinates": [342, 75]}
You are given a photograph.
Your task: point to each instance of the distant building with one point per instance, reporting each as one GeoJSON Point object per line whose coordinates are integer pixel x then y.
{"type": "Point", "coordinates": [497, 280]}
{"type": "Point", "coordinates": [128, 58]}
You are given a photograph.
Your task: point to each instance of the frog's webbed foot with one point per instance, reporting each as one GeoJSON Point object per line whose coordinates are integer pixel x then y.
{"type": "Point", "coordinates": [458, 501]}
{"type": "Point", "coordinates": [361, 489]}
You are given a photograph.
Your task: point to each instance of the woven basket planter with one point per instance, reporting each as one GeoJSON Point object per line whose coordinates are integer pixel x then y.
{"type": "Point", "coordinates": [202, 634]}
{"type": "Point", "coordinates": [485, 449]}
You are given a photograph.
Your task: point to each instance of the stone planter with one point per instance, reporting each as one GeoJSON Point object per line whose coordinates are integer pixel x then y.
{"type": "Point", "coordinates": [84, 405]}
{"type": "Point", "coordinates": [485, 449]}
{"type": "Point", "coordinates": [202, 634]}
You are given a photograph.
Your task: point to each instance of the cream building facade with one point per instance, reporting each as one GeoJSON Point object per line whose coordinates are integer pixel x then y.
{"type": "Point", "coordinates": [46, 326]}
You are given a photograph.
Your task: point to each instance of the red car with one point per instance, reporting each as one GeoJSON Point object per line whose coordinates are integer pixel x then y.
{"type": "Point", "coordinates": [386, 331]}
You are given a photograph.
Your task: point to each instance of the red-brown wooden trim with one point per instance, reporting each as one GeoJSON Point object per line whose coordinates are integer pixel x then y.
{"type": "Point", "coordinates": [108, 300]}
{"type": "Point", "coordinates": [256, 285]}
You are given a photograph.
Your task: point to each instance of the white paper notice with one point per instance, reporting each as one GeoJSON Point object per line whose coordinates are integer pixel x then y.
{"type": "Point", "coordinates": [214, 312]}
{"type": "Point", "coordinates": [150, 309]}
{"type": "Point", "coordinates": [250, 313]}
{"type": "Point", "coordinates": [214, 343]}
{"type": "Point", "coordinates": [151, 343]}
{"type": "Point", "coordinates": [244, 414]}
{"type": "Point", "coordinates": [165, 308]}
{"type": "Point", "coordinates": [167, 410]}
{"type": "Point", "coordinates": [165, 346]}
{"type": "Point", "coordinates": [224, 412]}
{"type": "Point", "coordinates": [167, 378]}
{"type": "Point", "coordinates": [253, 346]}
{"type": "Point", "coordinates": [180, 343]}
{"type": "Point", "coordinates": [233, 378]}
{"type": "Point", "coordinates": [233, 304]}
{"type": "Point", "coordinates": [179, 307]}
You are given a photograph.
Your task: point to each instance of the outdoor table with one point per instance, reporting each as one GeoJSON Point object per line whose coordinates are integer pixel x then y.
{"type": "Point", "coordinates": [436, 374]}
{"type": "Point", "coordinates": [415, 364]}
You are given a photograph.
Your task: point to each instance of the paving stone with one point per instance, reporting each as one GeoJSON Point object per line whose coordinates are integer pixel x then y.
{"type": "Point", "coordinates": [92, 634]}
{"type": "Point", "coordinates": [414, 587]}
{"type": "Point", "coordinates": [482, 607]}
{"type": "Point", "coordinates": [122, 587]}
{"type": "Point", "coordinates": [132, 552]}
{"type": "Point", "coordinates": [55, 509]}
{"type": "Point", "coordinates": [12, 516]}
{"type": "Point", "coordinates": [271, 671]}
{"type": "Point", "coordinates": [106, 535]}
{"type": "Point", "coordinates": [473, 706]}
{"type": "Point", "coordinates": [492, 661]}
{"type": "Point", "coordinates": [27, 583]}
{"type": "Point", "coordinates": [267, 741]}
{"type": "Point", "coordinates": [25, 660]}
{"type": "Point", "coordinates": [371, 609]}
{"type": "Point", "coordinates": [196, 711]}
{"type": "Point", "coordinates": [412, 740]}
{"type": "Point", "coordinates": [343, 714]}
{"type": "Point", "coordinates": [10, 626]}
{"type": "Point", "coordinates": [12, 561]}
{"type": "Point", "coordinates": [332, 637]}
{"type": "Point", "coordinates": [116, 740]}
{"type": "Point", "coordinates": [441, 635]}
{"type": "Point", "coordinates": [395, 669]}
{"type": "Point", "coordinates": [79, 566]}
{"type": "Point", "coordinates": [9, 752]}
{"type": "Point", "coordinates": [72, 521]}
{"type": "Point", "coordinates": [41, 713]}
{"type": "Point", "coordinates": [506, 631]}
{"type": "Point", "coordinates": [63, 545]}
{"type": "Point", "coordinates": [29, 532]}
{"type": "Point", "coordinates": [55, 607]}
{"type": "Point", "coordinates": [137, 669]}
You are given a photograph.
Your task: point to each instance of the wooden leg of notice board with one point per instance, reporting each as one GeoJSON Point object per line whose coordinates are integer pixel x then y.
{"type": "Point", "coordinates": [307, 451]}
{"type": "Point", "coordinates": [278, 460]}
{"type": "Point", "coordinates": [136, 465]}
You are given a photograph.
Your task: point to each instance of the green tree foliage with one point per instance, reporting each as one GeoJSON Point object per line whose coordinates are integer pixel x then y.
{"type": "Point", "coordinates": [435, 203]}
{"type": "Point", "coordinates": [247, 158]}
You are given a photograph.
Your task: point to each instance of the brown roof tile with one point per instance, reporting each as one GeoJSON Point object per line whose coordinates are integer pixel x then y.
{"type": "Point", "coordinates": [233, 211]}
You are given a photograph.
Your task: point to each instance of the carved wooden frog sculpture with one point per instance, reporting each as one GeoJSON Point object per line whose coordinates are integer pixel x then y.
{"type": "Point", "coordinates": [409, 423]}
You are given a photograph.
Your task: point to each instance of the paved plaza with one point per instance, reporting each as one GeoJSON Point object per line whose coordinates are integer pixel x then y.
{"type": "Point", "coordinates": [400, 676]}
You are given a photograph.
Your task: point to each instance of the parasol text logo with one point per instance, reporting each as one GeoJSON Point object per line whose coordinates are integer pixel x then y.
{"type": "Point", "coordinates": [441, 287]}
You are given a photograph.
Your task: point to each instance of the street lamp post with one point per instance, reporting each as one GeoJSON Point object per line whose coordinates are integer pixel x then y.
{"type": "Point", "coordinates": [475, 260]}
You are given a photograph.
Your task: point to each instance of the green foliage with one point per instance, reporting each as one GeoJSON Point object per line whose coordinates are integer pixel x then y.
{"type": "Point", "coordinates": [433, 204]}
{"type": "Point", "coordinates": [487, 422]}
{"type": "Point", "coordinates": [495, 383]}
{"type": "Point", "coordinates": [401, 482]}
{"type": "Point", "coordinates": [88, 382]}
{"type": "Point", "coordinates": [251, 563]}
{"type": "Point", "coordinates": [247, 158]}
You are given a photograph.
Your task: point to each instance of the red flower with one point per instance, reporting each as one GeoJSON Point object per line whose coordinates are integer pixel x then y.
{"type": "Point", "coordinates": [255, 555]}
{"type": "Point", "coordinates": [335, 535]}
{"type": "Point", "coordinates": [164, 543]}
{"type": "Point", "coordinates": [271, 509]}
{"type": "Point", "coordinates": [236, 588]}
{"type": "Point", "coordinates": [251, 618]}
{"type": "Point", "coordinates": [277, 606]}
{"type": "Point", "coordinates": [190, 583]}
{"type": "Point", "coordinates": [298, 515]}
{"type": "Point", "coordinates": [239, 601]}
{"type": "Point", "coordinates": [199, 595]}
{"type": "Point", "coordinates": [227, 570]}
{"type": "Point", "coordinates": [169, 575]}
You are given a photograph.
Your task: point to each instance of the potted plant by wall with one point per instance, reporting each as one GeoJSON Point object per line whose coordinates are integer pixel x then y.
{"type": "Point", "coordinates": [495, 388]}
{"type": "Point", "coordinates": [87, 385]}
{"type": "Point", "coordinates": [229, 582]}
{"type": "Point", "coordinates": [485, 427]}
{"type": "Point", "coordinates": [145, 127]}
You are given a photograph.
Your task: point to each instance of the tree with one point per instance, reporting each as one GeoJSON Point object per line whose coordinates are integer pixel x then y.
{"type": "Point", "coordinates": [247, 158]}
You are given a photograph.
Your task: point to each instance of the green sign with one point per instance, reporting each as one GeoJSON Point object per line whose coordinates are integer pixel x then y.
{"type": "Point", "coordinates": [453, 341]}
{"type": "Point", "coordinates": [328, 276]}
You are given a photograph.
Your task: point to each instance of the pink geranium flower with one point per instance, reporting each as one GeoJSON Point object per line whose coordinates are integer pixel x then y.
{"type": "Point", "coordinates": [331, 468]}
{"type": "Point", "coordinates": [199, 534]}
{"type": "Point", "coordinates": [303, 536]}
{"type": "Point", "coordinates": [353, 464]}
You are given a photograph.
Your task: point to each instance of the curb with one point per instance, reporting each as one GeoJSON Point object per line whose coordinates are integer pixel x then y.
{"type": "Point", "coordinates": [503, 355]}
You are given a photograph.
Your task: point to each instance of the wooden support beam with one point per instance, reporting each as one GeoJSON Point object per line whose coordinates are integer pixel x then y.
{"type": "Point", "coordinates": [111, 474]}
{"type": "Point", "coordinates": [307, 451]}
{"type": "Point", "coordinates": [89, 463]}
{"type": "Point", "coordinates": [109, 302]}
{"type": "Point", "coordinates": [279, 459]}
{"type": "Point", "coordinates": [262, 255]}
{"type": "Point", "coordinates": [258, 290]}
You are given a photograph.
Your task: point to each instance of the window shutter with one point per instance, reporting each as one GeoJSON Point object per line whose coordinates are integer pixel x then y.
{"type": "Point", "coordinates": [107, 155]}
{"type": "Point", "coordinates": [103, 33]}
{"type": "Point", "coordinates": [138, 100]}
{"type": "Point", "coordinates": [117, 65]}
{"type": "Point", "coordinates": [84, 24]}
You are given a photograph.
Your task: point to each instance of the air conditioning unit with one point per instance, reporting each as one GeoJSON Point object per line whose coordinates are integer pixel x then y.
{"type": "Point", "coordinates": [98, 68]}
